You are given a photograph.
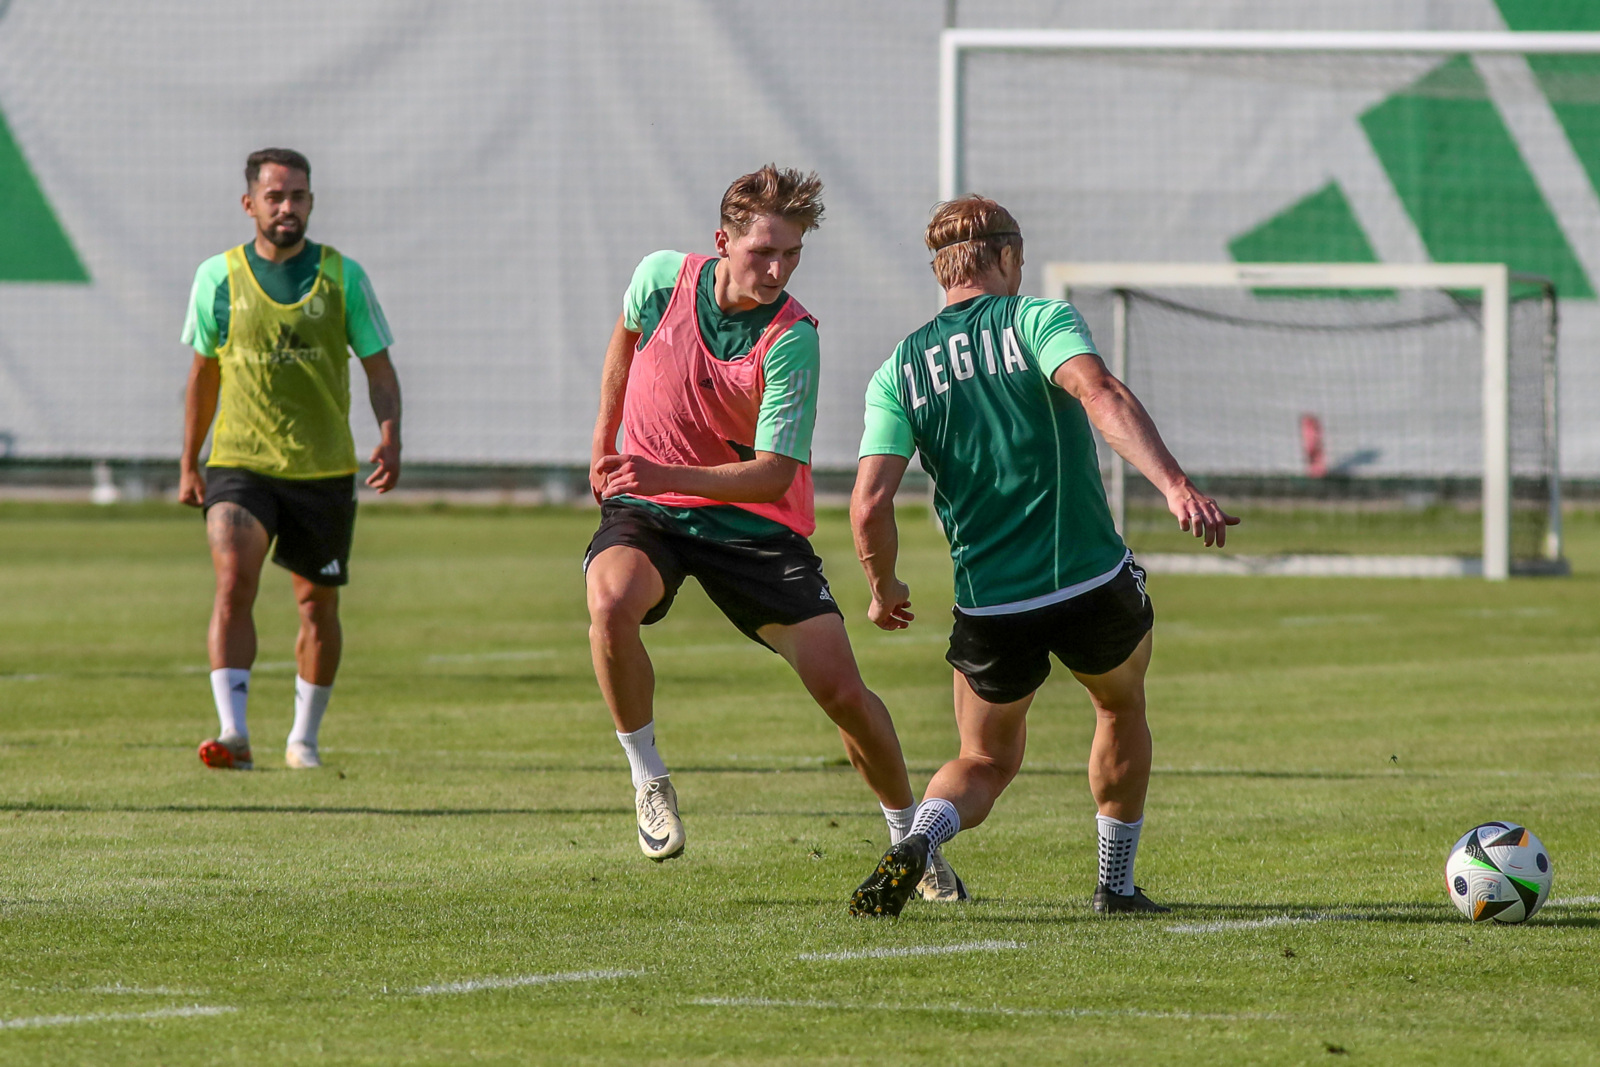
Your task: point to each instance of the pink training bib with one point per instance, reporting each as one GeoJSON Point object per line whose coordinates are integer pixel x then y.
{"type": "Point", "coordinates": [684, 407]}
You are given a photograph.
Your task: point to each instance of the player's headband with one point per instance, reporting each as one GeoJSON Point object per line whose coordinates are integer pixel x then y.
{"type": "Point", "coordinates": [979, 237]}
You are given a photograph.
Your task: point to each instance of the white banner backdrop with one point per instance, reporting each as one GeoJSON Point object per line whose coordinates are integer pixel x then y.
{"type": "Point", "coordinates": [499, 167]}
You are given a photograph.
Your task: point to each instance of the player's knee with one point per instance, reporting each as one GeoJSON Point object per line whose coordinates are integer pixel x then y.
{"type": "Point", "coordinates": [1006, 768]}
{"type": "Point", "coordinates": [844, 698]}
{"type": "Point", "coordinates": [1122, 709]}
{"type": "Point", "coordinates": [236, 588]}
{"type": "Point", "coordinates": [319, 608]}
{"type": "Point", "coordinates": [612, 610]}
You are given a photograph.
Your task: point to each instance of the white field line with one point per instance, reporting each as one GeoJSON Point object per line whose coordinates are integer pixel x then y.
{"type": "Point", "coordinates": [1573, 902]}
{"type": "Point", "coordinates": [145, 991]}
{"type": "Point", "coordinates": [918, 950]}
{"type": "Point", "coordinates": [111, 1017]}
{"type": "Point", "coordinates": [475, 984]}
{"type": "Point", "coordinates": [1259, 924]}
{"type": "Point", "coordinates": [966, 1009]}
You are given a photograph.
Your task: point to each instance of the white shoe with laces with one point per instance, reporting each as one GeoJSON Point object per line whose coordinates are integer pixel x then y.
{"type": "Point", "coordinates": [660, 829]}
{"type": "Point", "coordinates": [940, 882]}
{"type": "Point", "coordinates": [300, 756]}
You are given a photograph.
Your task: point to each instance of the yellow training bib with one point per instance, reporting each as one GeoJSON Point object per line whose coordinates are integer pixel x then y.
{"type": "Point", "coordinates": [284, 408]}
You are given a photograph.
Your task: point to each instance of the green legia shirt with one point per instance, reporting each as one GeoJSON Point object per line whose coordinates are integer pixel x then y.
{"type": "Point", "coordinates": [1011, 454]}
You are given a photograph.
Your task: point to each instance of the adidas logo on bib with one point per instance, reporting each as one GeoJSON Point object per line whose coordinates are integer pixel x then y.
{"type": "Point", "coordinates": [331, 570]}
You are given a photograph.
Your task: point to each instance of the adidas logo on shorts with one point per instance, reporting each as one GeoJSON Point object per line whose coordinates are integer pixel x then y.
{"type": "Point", "coordinates": [331, 570]}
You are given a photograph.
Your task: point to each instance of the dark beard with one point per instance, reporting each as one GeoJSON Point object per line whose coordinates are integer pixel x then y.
{"type": "Point", "coordinates": [283, 239]}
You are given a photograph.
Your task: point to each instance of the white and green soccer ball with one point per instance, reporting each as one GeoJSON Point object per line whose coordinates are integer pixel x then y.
{"type": "Point", "coordinates": [1498, 871]}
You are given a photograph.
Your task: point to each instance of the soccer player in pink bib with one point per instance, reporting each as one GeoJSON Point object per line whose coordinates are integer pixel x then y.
{"type": "Point", "coordinates": [711, 376]}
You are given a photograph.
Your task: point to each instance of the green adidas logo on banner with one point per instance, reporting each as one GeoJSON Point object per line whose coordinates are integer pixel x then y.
{"type": "Point", "coordinates": [33, 245]}
{"type": "Point", "coordinates": [1456, 167]}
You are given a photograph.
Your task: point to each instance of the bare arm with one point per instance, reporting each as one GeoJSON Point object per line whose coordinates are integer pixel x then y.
{"type": "Point", "coordinates": [383, 389]}
{"type": "Point", "coordinates": [1128, 429]}
{"type": "Point", "coordinates": [757, 481]}
{"type": "Point", "coordinates": [199, 408]}
{"type": "Point", "coordinates": [878, 539]}
{"type": "Point", "coordinates": [613, 388]}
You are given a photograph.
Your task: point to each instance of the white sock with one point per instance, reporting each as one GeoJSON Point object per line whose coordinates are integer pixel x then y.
{"type": "Point", "coordinates": [644, 762]}
{"type": "Point", "coordinates": [230, 688]}
{"type": "Point", "coordinates": [899, 820]}
{"type": "Point", "coordinates": [938, 819]}
{"type": "Point", "coordinates": [310, 701]}
{"type": "Point", "coordinates": [1119, 844]}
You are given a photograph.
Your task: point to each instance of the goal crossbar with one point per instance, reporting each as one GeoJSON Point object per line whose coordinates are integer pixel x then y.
{"type": "Point", "coordinates": [1491, 280]}
{"type": "Point", "coordinates": [955, 43]}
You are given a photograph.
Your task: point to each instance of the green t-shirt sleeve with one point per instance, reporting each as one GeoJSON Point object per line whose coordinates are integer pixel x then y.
{"type": "Point", "coordinates": [888, 430]}
{"type": "Point", "coordinates": [789, 397]}
{"type": "Point", "coordinates": [364, 322]}
{"type": "Point", "coordinates": [200, 330]}
{"type": "Point", "coordinates": [655, 272]}
{"type": "Point", "coordinates": [1053, 331]}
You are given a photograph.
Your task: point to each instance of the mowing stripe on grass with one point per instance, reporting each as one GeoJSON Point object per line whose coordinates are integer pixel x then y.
{"type": "Point", "coordinates": [264, 665]}
{"type": "Point", "coordinates": [492, 657]}
{"type": "Point", "coordinates": [917, 950]}
{"type": "Point", "coordinates": [112, 1017]}
{"type": "Point", "coordinates": [1329, 620]}
{"type": "Point", "coordinates": [1259, 924]}
{"type": "Point", "coordinates": [966, 1009]}
{"type": "Point", "coordinates": [475, 984]}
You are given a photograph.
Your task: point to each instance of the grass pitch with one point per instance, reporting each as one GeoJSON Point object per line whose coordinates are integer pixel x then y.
{"type": "Point", "coordinates": [461, 883]}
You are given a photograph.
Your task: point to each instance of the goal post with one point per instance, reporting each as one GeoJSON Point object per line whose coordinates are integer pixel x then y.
{"type": "Point", "coordinates": [956, 44]}
{"type": "Point", "coordinates": [1484, 287]}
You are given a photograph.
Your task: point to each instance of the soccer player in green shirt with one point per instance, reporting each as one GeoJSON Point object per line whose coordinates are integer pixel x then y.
{"type": "Point", "coordinates": [997, 393]}
{"type": "Point", "coordinates": [271, 325]}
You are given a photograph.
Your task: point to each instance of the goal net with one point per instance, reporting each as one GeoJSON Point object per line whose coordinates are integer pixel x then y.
{"type": "Point", "coordinates": [1299, 147]}
{"type": "Point", "coordinates": [1368, 419]}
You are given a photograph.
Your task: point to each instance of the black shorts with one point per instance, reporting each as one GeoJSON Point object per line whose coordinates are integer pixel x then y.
{"type": "Point", "coordinates": [1006, 657]}
{"type": "Point", "coordinates": [755, 583]}
{"type": "Point", "coordinates": [313, 520]}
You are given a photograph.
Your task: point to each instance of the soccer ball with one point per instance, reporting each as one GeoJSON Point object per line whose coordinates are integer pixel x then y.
{"type": "Point", "coordinates": [1498, 871]}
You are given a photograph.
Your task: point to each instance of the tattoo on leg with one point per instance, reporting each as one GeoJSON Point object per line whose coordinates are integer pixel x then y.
{"type": "Point", "coordinates": [226, 520]}
{"type": "Point", "coordinates": [237, 516]}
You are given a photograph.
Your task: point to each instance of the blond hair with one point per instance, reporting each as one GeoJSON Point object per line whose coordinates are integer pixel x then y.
{"type": "Point", "coordinates": [786, 193]}
{"type": "Point", "coordinates": [966, 236]}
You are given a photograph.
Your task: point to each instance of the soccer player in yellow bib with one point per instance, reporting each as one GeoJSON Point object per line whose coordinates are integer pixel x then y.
{"type": "Point", "coordinates": [272, 324]}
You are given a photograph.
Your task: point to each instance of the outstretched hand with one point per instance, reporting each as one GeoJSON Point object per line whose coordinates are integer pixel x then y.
{"type": "Point", "coordinates": [1200, 514]}
{"type": "Point", "coordinates": [892, 610]}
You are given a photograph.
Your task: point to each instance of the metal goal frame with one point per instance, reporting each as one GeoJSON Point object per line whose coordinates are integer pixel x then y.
{"type": "Point", "coordinates": [1491, 280]}
{"type": "Point", "coordinates": [954, 44]}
